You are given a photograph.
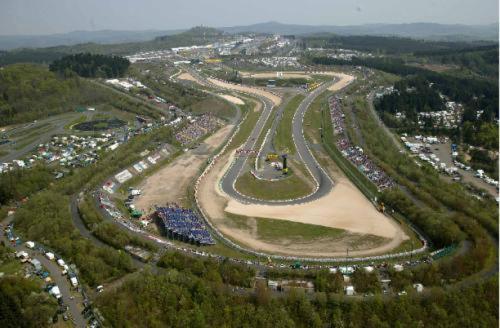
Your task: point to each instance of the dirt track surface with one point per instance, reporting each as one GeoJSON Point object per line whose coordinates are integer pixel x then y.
{"type": "Point", "coordinates": [233, 99]}
{"type": "Point", "coordinates": [169, 184]}
{"type": "Point", "coordinates": [276, 100]}
{"type": "Point", "coordinates": [344, 80]}
{"type": "Point", "coordinates": [187, 77]}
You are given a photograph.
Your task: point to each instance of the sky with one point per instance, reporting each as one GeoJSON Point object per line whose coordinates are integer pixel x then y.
{"type": "Point", "coordinates": [61, 16]}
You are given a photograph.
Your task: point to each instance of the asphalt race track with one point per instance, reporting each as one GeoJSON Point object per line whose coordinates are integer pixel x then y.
{"type": "Point", "coordinates": [322, 181]}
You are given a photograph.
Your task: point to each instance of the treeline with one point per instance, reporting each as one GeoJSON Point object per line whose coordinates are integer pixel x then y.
{"type": "Point", "coordinates": [381, 44]}
{"type": "Point", "coordinates": [480, 60]}
{"type": "Point", "coordinates": [473, 92]}
{"type": "Point", "coordinates": [90, 65]}
{"type": "Point", "coordinates": [37, 56]}
{"type": "Point", "coordinates": [224, 272]}
{"type": "Point", "coordinates": [416, 94]}
{"type": "Point", "coordinates": [29, 92]}
{"type": "Point", "coordinates": [24, 304]}
{"type": "Point", "coordinates": [180, 299]}
{"type": "Point", "coordinates": [411, 97]}
{"type": "Point", "coordinates": [17, 184]}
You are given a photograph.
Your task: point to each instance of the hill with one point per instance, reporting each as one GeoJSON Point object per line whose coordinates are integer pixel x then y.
{"type": "Point", "coordinates": [429, 31]}
{"type": "Point", "coordinates": [29, 92]}
{"type": "Point", "coordinates": [194, 36]}
{"type": "Point", "coordinates": [8, 42]}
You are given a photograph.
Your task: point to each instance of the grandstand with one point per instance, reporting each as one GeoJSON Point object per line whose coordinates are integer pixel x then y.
{"type": "Point", "coordinates": [197, 128]}
{"type": "Point", "coordinates": [183, 224]}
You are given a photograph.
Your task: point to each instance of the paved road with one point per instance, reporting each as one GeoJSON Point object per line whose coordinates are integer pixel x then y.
{"type": "Point", "coordinates": [134, 98]}
{"type": "Point", "coordinates": [78, 222]}
{"type": "Point", "coordinates": [71, 300]}
{"type": "Point", "coordinates": [322, 180]}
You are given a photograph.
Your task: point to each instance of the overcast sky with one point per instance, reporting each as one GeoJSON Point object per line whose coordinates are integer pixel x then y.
{"type": "Point", "coordinates": [59, 16]}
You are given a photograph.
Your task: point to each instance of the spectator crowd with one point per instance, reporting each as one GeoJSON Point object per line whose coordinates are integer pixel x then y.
{"type": "Point", "coordinates": [197, 128]}
{"type": "Point", "coordinates": [184, 224]}
{"type": "Point", "coordinates": [354, 153]}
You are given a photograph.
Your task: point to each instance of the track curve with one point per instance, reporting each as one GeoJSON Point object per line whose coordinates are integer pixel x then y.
{"type": "Point", "coordinates": [323, 182]}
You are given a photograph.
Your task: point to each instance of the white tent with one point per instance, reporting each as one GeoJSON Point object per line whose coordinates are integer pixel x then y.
{"type": "Point", "coordinates": [74, 282]}
{"type": "Point", "coordinates": [55, 291]}
{"type": "Point", "coordinates": [50, 256]}
{"type": "Point", "coordinates": [418, 287]}
{"type": "Point", "coordinates": [398, 267]}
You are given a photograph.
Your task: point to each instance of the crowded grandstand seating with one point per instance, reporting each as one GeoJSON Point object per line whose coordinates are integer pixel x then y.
{"type": "Point", "coordinates": [183, 224]}
{"type": "Point", "coordinates": [203, 124]}
{"type": "Point", "coordinates": [353, 153]}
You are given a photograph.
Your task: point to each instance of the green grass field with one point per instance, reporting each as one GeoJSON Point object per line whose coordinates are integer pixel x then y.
{"type": "Point", "coordinates": [291, 187]}
{"type": "Point", "coordinates": [213, 105]}
{"type": "Point", "coordinates": [283, 140]}
{"type": "Point", "coordinates": [80, 119]}
{"type": "Point", "coordinates": [272, 230]}
{"type": "Point", "coordinates": [247, 125]}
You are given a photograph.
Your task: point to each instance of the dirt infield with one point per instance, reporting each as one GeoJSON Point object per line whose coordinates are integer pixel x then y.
{"type": "Point", "coordinates": [233, 99]}
{"type": "Point", "coordinates": [276, 100]}
{"type": "Point", "coordinates": [169, 184]}
{"type": "Point", "coordinates": [186, 76]}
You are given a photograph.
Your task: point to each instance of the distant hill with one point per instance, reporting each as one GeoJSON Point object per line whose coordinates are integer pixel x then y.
{"type": "Point", "coordinates": [195, 36]}
{"type": "Point", "coordinates": [29, 92]}
{"type": "Point", "coordinates": [8, 42]}
{"type": "Point", "coordinates": [430, 31]}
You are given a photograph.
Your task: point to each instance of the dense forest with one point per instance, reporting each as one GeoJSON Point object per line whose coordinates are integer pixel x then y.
{"type": "Point", "coordinates": [474, 93]}
{"type": "Point", "coordinates": [89, 65]}
{"type": "Point", "coordinates": [416, 94]}
{"type": "Point", "coordinates": [35, 56]}
{"type": "Point", "coordinates": [24, 304]}
{"type": "Point", "coordinates": [196, 35]}
{"type": "Point", "coordinates": [29, 92]}
{"type": "Point", "coordinates": [180, 299]}
{"type": "Point", "coordinates": [382, 44]}
{"type": "Point", "coordinates": [480, 60]}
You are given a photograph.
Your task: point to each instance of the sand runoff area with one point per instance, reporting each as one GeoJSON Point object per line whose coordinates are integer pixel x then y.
{"type": "Point", "coordinates": [276, 100]}
{"type": "Point", "coordinates": [186, 76]}
{"type": "Point", "coordinates": [345, 207]}
{"type": "Point", "coordinates": [169, 184]}
{"type": "Point", "coordinates": [233, 99]}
